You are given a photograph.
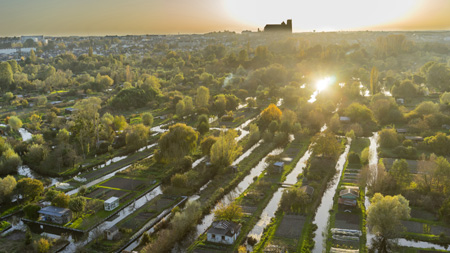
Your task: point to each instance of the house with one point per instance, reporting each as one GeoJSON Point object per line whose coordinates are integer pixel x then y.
{"type": "Point", "coordinates": [223, 231]}
{"type": "Point", "coordinates": [308, 190]}
{"type": "Point", "coordinates": [414, 138]}
{"type": "Point", "coordinates": [111, 203]}
{"type": "Point", "coordinates": [70, 110]}
{"type": "Point", "coordinates": [278, 167]}
{"type": "Point", "coordinates": [111, 233]}
{"type": "Point", "coordinates": [55, 214]}
{"type": "Point", "coordinates": [402, 130]}
{"type": "Point", "coordinates": [348, 197]}
{"type": "Point", "coordinates": [344, 119]}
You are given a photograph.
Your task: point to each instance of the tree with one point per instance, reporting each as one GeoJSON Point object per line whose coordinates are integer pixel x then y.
{"type": "Point", "coordinates": [179, 180]}
{"type": "Point", "coordinates": [359, 113]}
{"type": "Point", "coordinates": [439, 144]}
{"type": "Point", "coordinates": [9, 160]}
{"type": "Point", "coordinates": [15, 123]}
{"type": "Point", "coordinates": [207, 143]}
{"type": "Point", "coordinates": [373, 81]}
{"type": "Point", "coordinates": [326, 144]}
{"type": "Point", "coordinates": [87, 122]}
{"type": "Point", "coordinates": [77, 204]}
{"type": "Point", "coordinates": [63, 136]}
{"type": "Point", "coordinates": [203, 124]}
{"type": "Point", "coordinates": [6, 75]}
{"type": "Point", "coordinates": [180, 108]}
{"type": "Point", "coordinates": [36, 154]}
{"type": "Point", "coordinates": [137, 136]}
{"type": "Point", "coordinates": [220, 104]}
{"type": "Point", "coordinates": [400, 172]}
{"type": "Point", "coordinates": [43, 245]}
{"type": "Point", "coordinates": [91, 52]}
{"type": "Point", "coordinates": [147, 119]}
{"type": "Point", "coordinates": [445, 98]}
{"type": "Point", "coordinates": [294, 200]}
{"type": "Point", "coordinates": [189, 105]}
{"type": "Point", "coordinates": [438, 76]}
{"type": "Point", "coordinates": [230, 213]}
{"type": "Point", "coordinates": [384, 216]}
{"type": "Point", "coordinates": [61, 200]}
{"type": "Point", "coordinates": [30, 188]}
{"type": "Point", "coordinates": [51, 194]}
{"type": "Point", "coordinates": [7, 186]}
{"type": "Point", "coordinates": [388, 138]}
{"type": "Point", "coordinates": [35, 121]}
{"type": "Point", "coordinates": [270, 114]}
{"type": "Point", "coordinates": [31, 211]}
{"type": "Point", "coordinates": [178, 142]}
{"type": "Point", "coordinates": [405, 89]}
{"type": "Point", "coordinates": [225, 149]}
{"type": "Point", "coordinates": [33, 57]}
{"type": "Point", "coordinates": [42, 100]}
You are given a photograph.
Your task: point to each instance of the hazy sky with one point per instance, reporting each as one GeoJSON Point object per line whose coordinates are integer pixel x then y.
{"type": "Point", "coordinates": [100, 17]}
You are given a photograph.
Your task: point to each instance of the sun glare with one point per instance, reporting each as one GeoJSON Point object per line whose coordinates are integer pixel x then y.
{"type": "Point", "coordinates": [323, 83]}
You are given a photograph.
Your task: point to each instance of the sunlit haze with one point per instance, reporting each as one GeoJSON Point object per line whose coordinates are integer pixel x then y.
{"type": "Point", "coordinates": [102, 17]}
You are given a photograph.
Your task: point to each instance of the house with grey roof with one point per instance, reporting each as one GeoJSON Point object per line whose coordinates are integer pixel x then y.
{"type": "Point", "coordinates": [55, 214]}
{"type": "Point", "coordinates": [224, 232]}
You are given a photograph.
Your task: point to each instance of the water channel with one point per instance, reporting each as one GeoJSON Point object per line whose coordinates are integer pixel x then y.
{"type": "Point", "coordinates": [323, 212]}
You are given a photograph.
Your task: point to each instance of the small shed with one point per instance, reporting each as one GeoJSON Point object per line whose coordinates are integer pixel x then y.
{"type": "Point", "coordinates": [111, 203]}
{"type": "Point", "coordinates": [111, 232]}
{"type": "Point", "coordinates": [55, 214]}
{"type": "Point", "coordinates": [278, 167]}
{"type": "Point", "coordinates": [402, 130]}
{"type": "Point", "coordinates": [307, 189]}
{"type": "Point", "coordinates": [70, 110]}
{"type": "Point", "coordinates": [414, 138]}
{"type": "Point", "coordinates": [400, 101]}
{"type": "Point", "coordinates": [344, 119]}
{"type": "Point", "coordinates": [224, 232]}
{"type": "Point", "coordinates": [348, 197]}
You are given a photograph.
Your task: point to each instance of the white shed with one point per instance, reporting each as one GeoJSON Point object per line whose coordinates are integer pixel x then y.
{"type": "Point", "coordinates": [111, 203]}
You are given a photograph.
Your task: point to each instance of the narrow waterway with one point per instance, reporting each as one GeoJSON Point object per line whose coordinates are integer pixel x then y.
{"type": "Point", "coordinates": [269, 212]}
{"type": "Point", "coordinates": [227, 199]}
{"type": "Point", "coordinates": [323, 212]}
{"type": "Point", "coordinates": [271, 208]}
{"type": "Point", "coordinates": [129, 209]}
{"type": "Point", "coordinates": [373, 166]}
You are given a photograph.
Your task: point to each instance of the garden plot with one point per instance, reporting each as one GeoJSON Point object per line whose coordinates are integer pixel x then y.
{"type": "Point", "coordinates": [104, 193]}
{"type": "Point", "coordinates": [291, 226]}
{"type": "Point", "coordinates": [125, 183]}
{"type": "Point", "coordinates": [413, 165]}
{"type": "Point", "coordinates": [346, 220]}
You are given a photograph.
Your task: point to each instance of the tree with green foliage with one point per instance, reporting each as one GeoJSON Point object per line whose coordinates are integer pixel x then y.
{"type": "Point", "coordinates": [180, 108]}
{"type": "Point", "coordinates": [7, 186]}
{"type": "Point", "coordinates": [137, 136]}
{"type": "Point", "coordinates": [203, 124]}
{"type": "Point", "coordinates": [373, 81]}
{"type": "Point", "coordinates": [179, 141]}
{"type": "Point", "coordinates": [77, 204]}
{"type": "Point", "coordinates": [207, 143]}
{"type": "Point", "coordinates": [295, 200]}
{"type": "Point", "coordinates": [30, 188]}
{"type": "Point", "coordinates": [87, 123]}
{"type": "Point", "coordinates": [43, 245]}
{"type": "Point", "coordinates": [61, 200]}
{"type": "Point", "coordinates": [231, 212]}
{"type": "Point", "coordinates": [445, 98]}
{"type": "Point", "coordinates": [31, 211]}
{"type": "Point", "coordinates": [9, 160]}
{"type": "Point", "coordinates": [405, 89]}
{"type": "Point", "coordinates": [438, 76]}
{"type": "Point", "coordinates": [6, 76]}
{"type": "Point", "coordinates": [388, 138]}
{"type": "Point", "coordinates": [15, 123]}
{"type": "Point", "coordinates": [147, 119]}
{"type": "Point", "coordinates": [439, 144]}
{"type": "Point", "coordinates": [384, 217]}
{"type": "Point", "coordinates": [326, 144]}
{"type": "Point", "coordinates": [33, 57]}
{"type": "Point", "coordinates": [401, 173]}
{"type": "Point", "coordinates": [225, 150]}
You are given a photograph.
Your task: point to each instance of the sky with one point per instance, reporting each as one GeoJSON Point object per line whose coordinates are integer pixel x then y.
{"type": "Point", "coordinates": [110, 17]}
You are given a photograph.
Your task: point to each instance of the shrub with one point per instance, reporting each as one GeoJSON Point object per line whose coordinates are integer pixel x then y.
{"type": "Point", "coordinates": [354, 158]}
{"type": "Point", "coordinates": [31, 211]}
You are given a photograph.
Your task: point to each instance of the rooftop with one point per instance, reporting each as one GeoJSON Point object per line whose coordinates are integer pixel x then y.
{"type": "Point", "coordinates": [223, 227]}
{"type": "Point", "coordinates": [111, 200]}
{"type": "Point", "coordinates": [54, 211]}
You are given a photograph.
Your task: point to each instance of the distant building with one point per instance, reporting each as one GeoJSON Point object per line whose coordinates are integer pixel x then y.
{"type": "Point", "coordinates": [283, 27]}
{"type": "Point", "coordinates": [112, 233]}
{"type": "Point", "coordinates": [33, 38]}
{"type": "Point", "coordinates": [308, 190]}
{"type": "Point", "coordinates": [111, 203]}
{"type": "Point", "coordinates": [224, 232]}
{"type": "Point", "coordinates": [55, 214]}
{"type": "Point", "coordinates": [278, 167]}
